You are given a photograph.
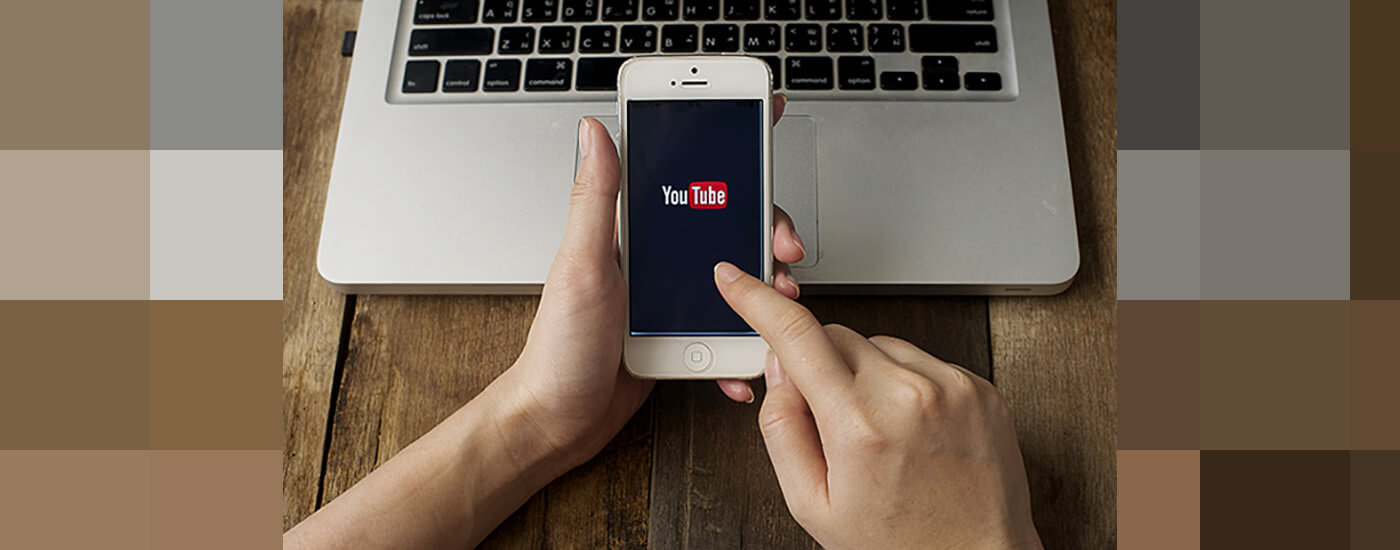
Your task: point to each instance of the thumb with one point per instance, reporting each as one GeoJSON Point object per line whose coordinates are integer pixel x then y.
{"type": "Point", "coordinates": [593, 199]}
{"type": "Point", "coordinates": [794, 446]}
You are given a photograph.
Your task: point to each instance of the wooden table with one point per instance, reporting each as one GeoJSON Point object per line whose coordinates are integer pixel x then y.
{"type": "Point", "coordinates": [365, 375]}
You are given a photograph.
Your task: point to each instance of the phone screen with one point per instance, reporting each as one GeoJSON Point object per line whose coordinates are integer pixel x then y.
{"type": "Point", "coordinates": [695, 197]}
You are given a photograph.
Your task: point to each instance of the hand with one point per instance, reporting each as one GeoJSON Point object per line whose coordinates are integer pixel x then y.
{"type": "Point", "coordinates": [877, 444]}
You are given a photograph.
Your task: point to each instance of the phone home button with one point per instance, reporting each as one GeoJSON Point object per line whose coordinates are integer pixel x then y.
{"type": "Point", "coordinates": [697, 357]}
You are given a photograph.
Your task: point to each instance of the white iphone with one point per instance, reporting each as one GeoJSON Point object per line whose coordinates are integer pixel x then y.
{"type": "Point", "coordinates": [697, 188]}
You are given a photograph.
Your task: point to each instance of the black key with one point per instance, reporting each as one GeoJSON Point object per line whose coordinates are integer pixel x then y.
{"type": "Point", "coordinates": [502, 75]}
{"type": "Point", "coordinates": [539, 10]}
{"type": "Point", "coordinates": [451, 41]}
{"type": "Point", "coordinates": [844, 37]}
{"type": "Point", "coordinates": [557, 39]}
{"type": "Point", "coordinates": [598, 73]}
{"type": "Point", "coordinates": [619, 10]}
{"type": "Point", "coordinates": [762, 37]}
{"type": "Point", "coordinates": [856, 72]}
{"type": "Point", "coordinates": [420, 77]}
{"type": "Point", "coordinates": [741, 10]}
{"type": "Point", "coordinates": [517, 40]}
{"type": "Point", "coordinates": [461, 75]}
{"type": "Point", "coordinates": [982, 82]}
{"type": "Point", "coordinates": [940, 80]}
{"type": "Point", "coordinates": [679, 38]}
{"type": "Point", "coordinates": [498, 11]}
{"type": "Point", "coordinates": [597, 39]}
{"type": "Point", "coordinates": [580, 10]}
{"type": "Point", "coordinates": [548, 74]}
{"type": "Point", "coordinates": [863, 10]}
{"type": "Point", "coordinates": [776, 66]}
{"type": "Point", "coordinates": [809, 73]}
{"type": "Point", "coordinates": [960, 10]}
{"type": "Point", "coordinates": [952, 38]}
{"type": "Point", "coordinates": [721, 37]}
{"type": "Point", "coordinates": [700, 10]}
{"type": "Point", "coordinates": [823, 10]}
{"type": "Point", "coordinates": [934, 63]}
{"type": "Point", "coordinates": [891, 80]}
{"type": "Point", "coordinates": [904, 10]}
{"type": "Point", "coordinates": [886, 37]}
{"type": "Point", "coordinates": [638, 39]}
{"type": "Point", "coordinates": [782, 10]}
{"type": "Point", "coordinates": [802, 37]}
{"type": "Point", "coordinates": [440, 12]}
{"type": "Point", "coordinates": [660, 10]}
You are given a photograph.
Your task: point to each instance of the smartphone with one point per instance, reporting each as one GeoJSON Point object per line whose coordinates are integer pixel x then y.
{"type": "Point", "coordinates": [697, 188]}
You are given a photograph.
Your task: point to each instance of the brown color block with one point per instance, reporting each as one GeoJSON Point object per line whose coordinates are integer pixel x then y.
{"type": "Point", "coordinates": [1375, 480]}
{"type": "Point", "coordinates": [1374, 113]}
{"type": "Point", "coordinates": [75, 499]}
{"type": "Point", "coordinates": [1159, 500]}
{"type": "Point", "coordinates": [1375, 375]}
{"type": "Point", "coordinates": [1159, 377]}
{"type": "Point", "coordinates": [78, 75]}
{"type": "Point", "coordinates": [216, 499]}
{"type": "Point", "coordinates": [1274, 375]}
{"type": "Point", "coordinates": [1375, 256]}
{"type": "Point", "coordinates": [1280, 500]}
{"type": "Point", "coordinates": [74, 375]}
{"type": "Point", "coordinates": [73, 224]}
{"type": "Point", "coordinates": [216, 375]}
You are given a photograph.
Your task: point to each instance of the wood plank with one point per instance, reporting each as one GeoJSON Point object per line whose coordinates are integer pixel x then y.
{"type": "Point", "coordinates": [1055, 357]}
{"type": "Point", "coordinates": [314, 86]}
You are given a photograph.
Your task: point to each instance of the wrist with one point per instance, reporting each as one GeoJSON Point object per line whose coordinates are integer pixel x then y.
{"type": "Point", "coordinates": [535, 457]}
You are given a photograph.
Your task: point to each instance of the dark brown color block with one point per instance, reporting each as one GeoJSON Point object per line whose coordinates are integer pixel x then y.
{"type": "Point", "coordinates": [1274, 375]}
{"type": "Point", "coordinates": [216, 499]}
{"type": "Point", "coordinates": [1159, 377]}
{"type": "Point", "coordinates": [1375, 480]}
{"type": "Point", "coordinates": [75, 499]}
{"type": "Point", "coordinates": [1374, 113]}
{"type": "Point", "coordinates": [74, 374]}
{"type": "Point", "coordinates": [216, 375]}
{"type": "Point", "coordinates": [1375, 255]}
{"type": "Point", "coordinates": [1375, 375]}
{"type": "Point", "coordinates": [1280, 500]}
{"type": "Point", "coordinates": [1159, 500]}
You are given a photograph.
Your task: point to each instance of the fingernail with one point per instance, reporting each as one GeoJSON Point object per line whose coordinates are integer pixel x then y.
{"type": "Point", "coordinates": [798, 239]}
{"type": "Point", "coordinates": [751, 396]}
{"type": "Point", "coordinates": [727, 272]}
{"type": "Point", "coordinates": [585, 138]}
{"type": "Point", "coordinates": [773, 373]}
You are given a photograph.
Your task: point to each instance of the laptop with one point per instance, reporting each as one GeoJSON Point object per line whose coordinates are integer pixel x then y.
{"type": "Point", "coordinates": [922, 151]}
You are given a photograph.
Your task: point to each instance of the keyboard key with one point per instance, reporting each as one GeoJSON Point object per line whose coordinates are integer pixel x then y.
{"type": "Point", "coordinates": [762, 37]}
{"type": "Point", "coordinates": [700, 10]}
{"type": "Point", "coordinates": [960, 10]}
{"type": "Point", "coordinates": [904, 10]}
{"type": "Point", "coordinates": [597, 39]}
{"type": "Point", "coordinates": [462, 75]}
{"type": "Point", "coordinates": [451, 41]}
{"type": "Point", "coordinates": [863, 10]}
{"type": "Point", "coordinates": [580, 10]}
{"type": "Point", "coordinates": [886, 37]}
{"type": "Point", "coordinates": [776, 66]}
{"type": "Point", "coordinates": [721, 37]}
{"type": "Point", "coordinates": [803, 37]}
{"type": "Point", "coordinates": [660, 10]}
{"type": "Point", "coordinates": [498, 11]}
{"type": "Point", "coordinates": [982, 82]}
{"type": "Point", "coordinates": [420, 77]}
{"type": "Point", "coordinates": [557, 39]}
{"type": "Point", "coordinates": [502, 75]}
{"type": "Point", "coordinates": [844, 37]}
{"type": "Point", "coordinates": [598, 73]}
{"type": "Point", "coordinates": [856, 72]}
{"type": "Point", "coordinates": [823, 10]}
{"type": "Point", "coordinates": [637, 39]}
{"type": "Point", "coordinates": [809, 73]}
{"type": "Point", "coordinates": [440, 12]}
{"type": "Point", "coordinates": [548, 74]}
{"type": "Point", "coordinates": [741, 10]}
{"type": "Point", "coordinates": [619, 10]}
{"type": "Point", "coordinates": [782, 10]}
{"type": "Point", "coordinates": [924, 38]}
{"type": "Point", "coordinates": [935, 63]}
{"type": "Point", "coordinates": [539, 10]}
{"type": "Point", "coordinates": [940, 80]}
{"type": "Point", "coordinates": [679, 38]}
{"type": "Point", "coordinates": [892, 80]}
{"type": "Point", "coordinates": [517, 40]}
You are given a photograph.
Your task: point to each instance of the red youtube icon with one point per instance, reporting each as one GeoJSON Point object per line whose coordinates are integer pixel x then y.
{"type": "Point", "coordinates": [708, 195]}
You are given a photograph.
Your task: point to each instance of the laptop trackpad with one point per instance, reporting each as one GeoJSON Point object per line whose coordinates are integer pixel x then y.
{"type": "Point", "coordinates": [794, 176]}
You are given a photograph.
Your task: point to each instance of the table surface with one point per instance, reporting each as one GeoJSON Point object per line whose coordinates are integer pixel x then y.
{"type": "Point", "coordinates": [363, 376]}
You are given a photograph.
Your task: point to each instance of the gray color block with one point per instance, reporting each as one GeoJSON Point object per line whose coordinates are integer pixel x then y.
{"type": "Point", "coordinates": [1274, 225]}
{"type": "Point", "coordinates": [216, 74]}
{"type": "Point", "coordinates": [1159, 225]}
{"type": "Point", "coordinates": [1159, 86]}
{"type": "Point", "coordinates": [1275, 74]}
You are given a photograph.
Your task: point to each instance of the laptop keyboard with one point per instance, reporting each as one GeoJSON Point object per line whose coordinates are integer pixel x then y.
{"type": "Point", "coordinates": [552, 50]}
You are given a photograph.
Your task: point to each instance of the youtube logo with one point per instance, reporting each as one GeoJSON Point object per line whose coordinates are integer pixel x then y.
{"type": "Point", "coordinates": [699, 195]}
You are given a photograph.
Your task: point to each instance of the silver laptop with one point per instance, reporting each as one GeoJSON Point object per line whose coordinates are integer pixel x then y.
{"type": "Point", "coordinates": [922, 151]}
